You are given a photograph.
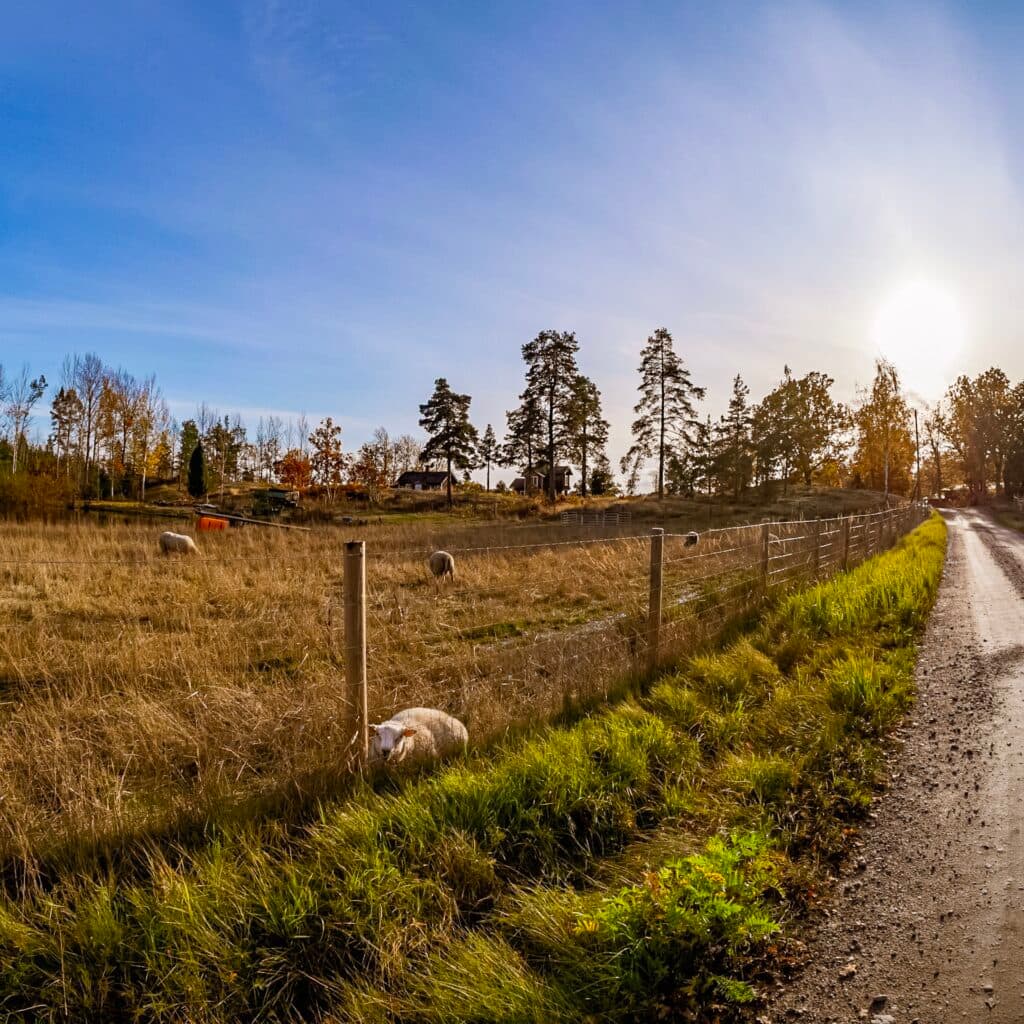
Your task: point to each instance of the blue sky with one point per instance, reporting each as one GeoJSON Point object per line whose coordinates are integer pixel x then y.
{"type": "Point", "coordinates": [291, 206]}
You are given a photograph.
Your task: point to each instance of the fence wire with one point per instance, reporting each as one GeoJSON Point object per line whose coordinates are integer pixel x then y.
{"type": "Point", "coordinates": [530, 626]}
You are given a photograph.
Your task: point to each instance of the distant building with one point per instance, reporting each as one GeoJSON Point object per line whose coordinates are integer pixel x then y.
{"type": "Point", "coordinates": [539, 481]}
{"type": "Point", "coordinates": [414, 480]}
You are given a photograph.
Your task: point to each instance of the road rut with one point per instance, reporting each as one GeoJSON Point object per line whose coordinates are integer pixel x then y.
{"type": "Point", "coordinates": [927, 924]}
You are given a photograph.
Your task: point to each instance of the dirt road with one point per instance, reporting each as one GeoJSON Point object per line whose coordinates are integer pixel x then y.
{"type": "Point", "coordinates": [928, 921]}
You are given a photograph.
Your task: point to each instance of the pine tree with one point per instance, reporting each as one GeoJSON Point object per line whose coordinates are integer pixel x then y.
{"type": "Point", "coordinates": [187, 445]}
{"type": "Point", "coordinates": [733, 439]}
{"type": "Point", "coordinates": [197, 471]}
{"type": "Point", "coordinates": [587, 429]}
{"type": "Point", "coordinates": [666, 417]}
{"type": "Point", "coordinates": [450, 435]}
{"type": "Point", "coordinates": [703, 458]}
{"type": "Point", "coordinates": [66, 416]}
{"type": "Point", "coordinates": [601, 479]}
{"type": "Point", "coordinates": [523, 438]}
{"type": "Point", "coordinates": [550, 373]}
{"type": "Point", "coordinates": [488, 452]}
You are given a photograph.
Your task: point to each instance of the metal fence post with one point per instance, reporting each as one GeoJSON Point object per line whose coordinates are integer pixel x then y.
{"type": "Point", "coordinates": [816, 563]}
{"type": "Point", "coordinates": [766, 540]}
{"type": "Point", "coordinates": [654, 600]}
{"type": "Point", "coordinates": [354, 588]}
{"type": "Point", "coordinates": [846, 543]}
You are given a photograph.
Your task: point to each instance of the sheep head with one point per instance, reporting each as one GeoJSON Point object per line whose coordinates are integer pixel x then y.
{"type": "Point", "coordinates": [389, 741]}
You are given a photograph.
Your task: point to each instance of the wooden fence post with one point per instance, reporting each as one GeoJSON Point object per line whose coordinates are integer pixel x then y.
{"type": "Point", "coordinates": [846, 543]}
{"type": "Point", "coordinates": [654, 599]}
{"type": "Point", "coordinates": [355, 647]}
{"type": "Point", "coordinates": [766, 541]}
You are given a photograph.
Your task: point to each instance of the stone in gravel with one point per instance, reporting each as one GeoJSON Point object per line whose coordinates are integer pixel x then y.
{"type": "Point", "coordinates": [883, 1018]}
{"type": "Point", "coordinates": [847, 972]}
{"type": "Point", "coordinates": [878, 1003]}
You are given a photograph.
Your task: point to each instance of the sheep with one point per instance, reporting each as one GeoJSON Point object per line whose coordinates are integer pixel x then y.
{"type": "Point", "coordinates": [690, 539]}
{"type": "Point", "coordinates": [442, 565]}
{"type": "Point", "coordinates": [416, 736]}
{"type": "Point", "coordinates": [179, 542]}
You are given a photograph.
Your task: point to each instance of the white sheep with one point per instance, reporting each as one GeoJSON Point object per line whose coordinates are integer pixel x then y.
{"type": "Point", "coordinates": [415, 736]}
{"type": "Point", "coordinates": [177, 542]}
{"type": "Point", "coordinates": [442, 565]}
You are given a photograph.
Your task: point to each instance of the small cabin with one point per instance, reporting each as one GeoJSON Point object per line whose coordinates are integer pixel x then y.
{"type": "Point", "coordinates": [539, 481]}
{"type": "Point", "coordinates": [415, 480]}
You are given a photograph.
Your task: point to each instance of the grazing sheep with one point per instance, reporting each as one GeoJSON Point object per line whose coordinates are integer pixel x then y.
{"type": "Point", "coordinates": [177, 542]}
{"type": "Point", "coordinates": [442, 565]}
{"type": "Point", "coordinates": [690, 539]}
{"type": "Point", "coordinates": [415, 736]}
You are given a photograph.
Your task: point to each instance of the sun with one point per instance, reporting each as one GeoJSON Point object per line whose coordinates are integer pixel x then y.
{"type": "Point", "coordinates": [922, 330]}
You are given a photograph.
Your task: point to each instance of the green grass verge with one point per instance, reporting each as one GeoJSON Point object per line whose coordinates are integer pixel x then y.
{"type": "Point", "coordinates": [481, 893]}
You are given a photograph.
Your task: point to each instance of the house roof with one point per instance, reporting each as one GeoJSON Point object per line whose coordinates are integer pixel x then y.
{"type": "Point", "coordinates": [413, 476]}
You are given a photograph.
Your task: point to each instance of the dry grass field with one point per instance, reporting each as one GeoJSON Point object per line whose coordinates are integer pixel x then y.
{"type": "Point", "coordinates": [642, 862]}
{"type": "Point", "coordinates": [138, 691]}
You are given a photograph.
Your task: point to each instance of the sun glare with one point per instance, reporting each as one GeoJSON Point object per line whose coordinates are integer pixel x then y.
{"type": "Point", "coordinates": [921, 328]}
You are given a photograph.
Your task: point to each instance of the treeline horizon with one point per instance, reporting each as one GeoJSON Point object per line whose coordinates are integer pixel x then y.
{"type": "Point", "coordinates": [111, 434]}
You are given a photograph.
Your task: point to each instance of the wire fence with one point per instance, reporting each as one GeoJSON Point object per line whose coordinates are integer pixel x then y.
{"type": "Point", "coordinates": [527, 630]}
{"type": "Point", "coordinates": [537, 622]}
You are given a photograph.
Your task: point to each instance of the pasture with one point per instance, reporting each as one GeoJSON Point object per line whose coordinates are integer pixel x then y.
{"type": "Point", "coordinates": [141, 693]}
{"type": "Point", "coordinates": [639, 864]}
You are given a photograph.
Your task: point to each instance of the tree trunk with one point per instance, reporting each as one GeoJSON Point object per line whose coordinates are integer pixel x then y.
{"type": "Point", "coordinates": [661, 436]}
{"type": "Point", "coordinates": [583, 466]}
{"type": "Point", "coordinates": [551, 446]}
{"type": "Point", "coordinates": [449, 481]}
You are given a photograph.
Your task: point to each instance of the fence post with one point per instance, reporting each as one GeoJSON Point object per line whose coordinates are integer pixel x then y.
{"type": "Point", "coordinates": [766, 540]}
{"type": "Point", "coordinates": [846, 543]}
{"type": "Point", "coordinates": [654, 600]}
{"type": "Point", "coordinates": [354, 589]}
{"type": "Point", "coordinates": [816, 563]}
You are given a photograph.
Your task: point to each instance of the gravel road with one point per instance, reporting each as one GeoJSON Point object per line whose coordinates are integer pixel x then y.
{"type": "Point", "coordinates": [927, 922]}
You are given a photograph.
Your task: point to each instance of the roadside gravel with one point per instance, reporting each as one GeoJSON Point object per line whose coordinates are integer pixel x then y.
{"type": "Point", "coordinates": [926, 923]}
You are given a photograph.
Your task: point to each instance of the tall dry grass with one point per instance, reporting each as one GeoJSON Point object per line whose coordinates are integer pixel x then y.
{"type": "Point", "coordinates": [540, 881]}
{"type": "Point", "coordinates": [136, 688]}
{"type": "Point", "coordinates": [137, 691]}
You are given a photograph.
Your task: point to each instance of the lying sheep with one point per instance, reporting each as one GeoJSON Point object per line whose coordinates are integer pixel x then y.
{"type": "Point", "coordinates": [416, 736]}
{"type": "Point", "coordinates": [177, 542]}
{"type": "Point", "coordinates": [442, 565]}
{"type": "Point", "coordinates": [691, 538]}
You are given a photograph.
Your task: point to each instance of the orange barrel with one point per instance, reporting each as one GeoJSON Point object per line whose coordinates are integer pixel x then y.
{"type": "Point", "coordinates": [212, 523]}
